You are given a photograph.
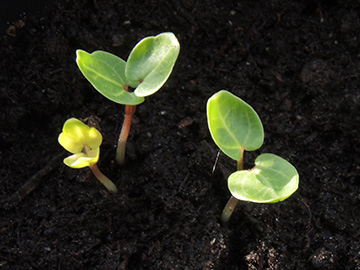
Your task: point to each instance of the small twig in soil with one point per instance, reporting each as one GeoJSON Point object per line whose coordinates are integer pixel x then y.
{"type": "Point", "coordinates": [310, 216]}
{"type": "Point", "coordinates": [31, 184]}
{"type": "Point", "coordinates": [216, 160]}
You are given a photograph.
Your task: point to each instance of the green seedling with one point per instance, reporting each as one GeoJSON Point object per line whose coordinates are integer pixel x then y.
{"type": "Point", "coordinates": [84, 143]}
{"type": "Point", "coordinates": [146, 70]}
{"type": "Point", "coordinates": [235, 127]}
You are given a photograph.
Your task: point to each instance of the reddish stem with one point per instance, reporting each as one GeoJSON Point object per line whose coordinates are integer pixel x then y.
{"type": "Point", "coordinates": [120, 152]}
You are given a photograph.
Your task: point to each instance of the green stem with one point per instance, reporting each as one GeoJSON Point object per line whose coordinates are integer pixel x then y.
{"type": "Point", "coordinates": [228, 209]}
{"type": "Point", "coordinates": [103, 179]}
{"type": "Point", "coordinates": [120, 151]}
{"type": "Point", "coordinates": [231, 204]}
{"type": "Point", "coordinates": [100, 176]}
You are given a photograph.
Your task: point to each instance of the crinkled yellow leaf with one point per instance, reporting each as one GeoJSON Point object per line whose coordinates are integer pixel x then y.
{"type": "Point", "coordinates": [76, 135]}
{"type": "Point", "coordinates": [81, 160]}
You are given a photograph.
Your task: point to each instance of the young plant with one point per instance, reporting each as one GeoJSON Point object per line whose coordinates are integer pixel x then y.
{"type": "Point", "coordinates": [146, 70]}
{"type": "Point", "coordinates": [236, 127]}
{"type": "Point", "coordinates": [84, 143]}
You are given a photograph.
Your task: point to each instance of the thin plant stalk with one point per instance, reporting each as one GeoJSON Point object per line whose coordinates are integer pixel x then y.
{"type": "Point", "coordinates": [124, 134]}
{"type": "Point", "coordinates": [240, 163]}
{"type": "Point", "coordinates": [231, 204]}
{"type": "Point", "coordinates": [101, 177]}
{"type": "Point", "coordinates": [228, 209]}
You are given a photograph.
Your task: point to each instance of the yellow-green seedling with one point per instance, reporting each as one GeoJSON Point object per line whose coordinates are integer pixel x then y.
{"type": "Point", "coordinates": [235, 127]}
{"type": "Point", "coordinates": [147, 68]}
{"type": "Point", "coordinates": [84, 143]}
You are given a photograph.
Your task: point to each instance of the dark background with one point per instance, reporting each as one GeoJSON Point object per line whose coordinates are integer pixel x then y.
{"type": "Point", "coordinates": [295, 62]}
{"type": "Point", "coordinates": [13, 10]}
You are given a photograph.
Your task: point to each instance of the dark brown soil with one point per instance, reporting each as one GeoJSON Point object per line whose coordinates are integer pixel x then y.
{"type": "Point", "coordinates": [296, 62]}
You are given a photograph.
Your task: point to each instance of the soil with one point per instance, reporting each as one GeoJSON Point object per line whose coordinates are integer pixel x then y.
{"type": "Point", "coordinates": [296, 62]}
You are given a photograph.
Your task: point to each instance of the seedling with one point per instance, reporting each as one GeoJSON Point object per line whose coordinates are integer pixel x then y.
{"type": "Point", "coordinates": [235, 127]}
{"type": "Point", "coordinates": [84, 143]}
{"type": "Point", "coordinates": [146, 70]}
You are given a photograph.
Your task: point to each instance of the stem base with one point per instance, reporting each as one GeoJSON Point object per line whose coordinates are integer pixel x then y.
{"type": "Point", "coordinates": [121, 147]}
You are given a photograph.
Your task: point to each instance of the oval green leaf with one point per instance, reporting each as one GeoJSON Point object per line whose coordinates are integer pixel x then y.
{"type": "Point", "coordinates": [233, 124]}
{"type": "Point", "coordinates": [106, 72]}
{"type": "Point", "coordinates": [272, 179]}
{"type": "Point", "coordinates": [151, 62]}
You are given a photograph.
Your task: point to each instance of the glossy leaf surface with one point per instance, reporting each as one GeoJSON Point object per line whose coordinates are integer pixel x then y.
{"type": "Point", "coordinates": [151, 62]}
{"type": "Point", "coordinates": [272, 179]}
{"type": "Point", "coordinates": [106, 72]}
{"type": "Point", "coordinates": [233, 124]}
